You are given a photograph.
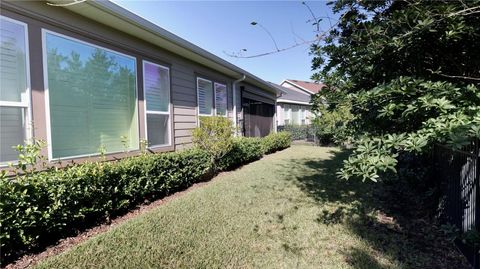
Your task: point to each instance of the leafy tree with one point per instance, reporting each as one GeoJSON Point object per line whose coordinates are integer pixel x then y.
{"type": "Point", "coordinates": [411, 70]}
{"type": "Point", "coordinates": [333, 112]}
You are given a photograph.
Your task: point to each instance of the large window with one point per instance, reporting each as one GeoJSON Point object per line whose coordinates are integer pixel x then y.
{"type": "Point", "coordinates": [303, 116]}
{"type": "Point", "coordinates": [220, 99]}
{"type": "Point", "coordinates": [207, 92]}
{"type": "Point", "coordinates": [91, 98]}
{"type": "Point", "coordinates": [287, 114]}
{"type": "Point", "coordinates": [295, 115]}
{"type": "Point", "coordinates": [14, 85]}
{"type": "Point", "coordinates": [156, 83]}
{"type": "Point", "coordinates": [205, 97]}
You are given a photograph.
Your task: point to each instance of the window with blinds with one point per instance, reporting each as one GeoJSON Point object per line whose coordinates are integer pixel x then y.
{"type": "Point", "coordinates": [156, 84]}
{"type": "Point", "coordinates": [303, 116]}
{"type": "Point", "coordinates": [91, 93]}
{"type": "Point", "coordinates": [220, 99]}
{"type": "Point", "coordinates": [295, 115]}
{"type": "Point", "coordinates": [287, 110]}
{"type": "Point", "coordinates": [14, 84]}
{"type": "Point", "coordinates": [205, 97]}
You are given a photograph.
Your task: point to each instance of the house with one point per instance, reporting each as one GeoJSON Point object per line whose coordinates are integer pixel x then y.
{"type": "Point", "coordinates": [308, 87]}
{"type": "Point", "coordinates": [293, 102]}
{"type": "Point", "coordinates": [92, 77]}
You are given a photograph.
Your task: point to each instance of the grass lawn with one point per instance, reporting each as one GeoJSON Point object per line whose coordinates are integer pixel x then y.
{"type": "Point", "coordinates": [286, 211]}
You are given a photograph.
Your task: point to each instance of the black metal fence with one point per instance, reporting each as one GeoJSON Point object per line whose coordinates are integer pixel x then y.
{"type": "Point", "coordinates": [458, 170]}
{"type": "Point", "coordinates": [300, 132]}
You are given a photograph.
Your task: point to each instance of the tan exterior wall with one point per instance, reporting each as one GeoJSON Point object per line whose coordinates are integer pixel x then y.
{"type": "Point", "coordinates": [183, 72]}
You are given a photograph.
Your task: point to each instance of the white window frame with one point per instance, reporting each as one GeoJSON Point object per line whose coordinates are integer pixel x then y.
{"type": "Point", "coordinates": [198, 101]}
{"type": "Point", "coordinates": [303, 116]}
{"type": "Point", "coordinates": [47, 96]}
{"type": "Point", "coordinates": [215, 99]}
{"type": "Point", "coordinates": [169, 124]}
{"type": "Point", "coordinates": [26, 98]}
{"type": "Point", "coordinates": [287, 114]}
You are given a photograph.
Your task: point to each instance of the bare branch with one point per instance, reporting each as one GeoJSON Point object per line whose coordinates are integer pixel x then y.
{"type": "Point", "coordinates": [239, 55]}
{"type": "Point", "coordinates": [268, 32]}
{"type": "Point", "coordinates": [315, 19]}
{"type": "Point", "coordinates": [453, 76]}
{"type": "Point", "coordinates": [317, 39]}
{"type": "Point", "coordinates": [465, 12]}
{"type": "Point", "coordinates": [295, 34]}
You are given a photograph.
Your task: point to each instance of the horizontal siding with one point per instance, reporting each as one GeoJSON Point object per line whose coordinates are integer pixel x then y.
{"type": "Point", "coordinates": [185, 118]}
{"type": "Point", "coordinates": [184, 125]}
{"type": "Point", "coordinates": [183, 140]}
{"type": "Point", "coordinates": [185, 111]}
{"type": "Point", "coordinates": [182, 70]}
{"type": "Point", "coordinates": [183, 82]}
{"type": "Point", "coordinates": [181, 103]}
{"type": "Point", "coordinates": [185, 132]}
{"type": "Point", "coordinates": [182, 96]}
{"type": "Point", "coordinates": [183, 146]}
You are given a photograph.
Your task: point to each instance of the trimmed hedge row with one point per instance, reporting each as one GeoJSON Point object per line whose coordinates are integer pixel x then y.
{"type": "Point", "coordinates": [244, 150]}
{"type": "Point", "coordinates": [40, 208]}
{"type": "Point", "coordinates": [299, 132]}
{"type": "Point", "coordinates": [276, 141]}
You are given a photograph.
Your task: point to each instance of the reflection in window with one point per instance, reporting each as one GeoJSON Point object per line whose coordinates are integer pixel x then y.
{"type": "Point", "coordinates": [205, 97]}
{"type": "Point", "coordinates": [14, 94]}
{"type": "Point", "coordinates": [92, 98]}
{"type": "Point", "coordinates": [221, 99]}
{"type": "Point", "coordinates": [157, 92]}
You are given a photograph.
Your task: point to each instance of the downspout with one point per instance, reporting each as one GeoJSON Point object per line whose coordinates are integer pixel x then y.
{"type": "Point", "coordinates": [234, 90]}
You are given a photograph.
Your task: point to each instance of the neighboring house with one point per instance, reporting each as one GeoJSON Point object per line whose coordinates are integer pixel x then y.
{"type": "Point", "coordinates": [293, 107]}
{"type": "Point", "coordinates": [303, 86]}
{"type": "Point", "coordinates": [293, 102]}
{"type": "Point", "coordinates": [94, 77]}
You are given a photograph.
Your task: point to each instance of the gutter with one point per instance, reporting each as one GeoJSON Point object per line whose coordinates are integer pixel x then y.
{"type": "Point", "coordinates": [293, 102]}
{"type": "Point", "coordinates": [234, 90]}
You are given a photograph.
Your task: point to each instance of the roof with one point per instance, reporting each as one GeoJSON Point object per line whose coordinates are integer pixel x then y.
{"type": "Point", "coordinates": [310, 86]}
{"type": "Point", "coordinates": [292, 96]}
{"type": "Point", "coordinates": [108, 13]}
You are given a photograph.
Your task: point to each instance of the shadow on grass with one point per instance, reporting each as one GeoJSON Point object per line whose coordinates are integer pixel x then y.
{"type": "Point", "coordinates": [372, 212]}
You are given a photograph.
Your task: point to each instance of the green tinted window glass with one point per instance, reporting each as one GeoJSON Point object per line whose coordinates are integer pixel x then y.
{"type": "Point", "coordinates": [92, 98]}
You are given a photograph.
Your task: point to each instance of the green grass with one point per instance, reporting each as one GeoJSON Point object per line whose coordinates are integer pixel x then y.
{"type": "Point", "coordinates": [285, 211]}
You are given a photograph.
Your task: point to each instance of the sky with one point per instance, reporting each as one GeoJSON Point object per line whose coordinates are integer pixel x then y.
{"type": "Point", "coordinates": [224, 27]}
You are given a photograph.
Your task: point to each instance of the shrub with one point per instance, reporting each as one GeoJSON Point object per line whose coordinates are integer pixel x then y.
{"type": "Point", "coordinates": [244, 150]}
{"type": "Point", "coordinates": [214, 136]}
{"type": "Point", "coordinates": [298, 132]}
{"type": "Point", "coordinates": [39, 208]}
{"type": "Point", "coordinates": [276, 141]}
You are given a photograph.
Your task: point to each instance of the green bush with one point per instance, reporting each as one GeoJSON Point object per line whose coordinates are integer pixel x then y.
{"type": "Point", "coordinates": [276, 141]}
{"type": "Point", "coordinates": [244, 150]}
{"type": "Point", "coordinates": [214, 135]}
{"type": "Point", "coordinates": [298, 132]}
{"type": "Point", "coordinates": [39, 208]}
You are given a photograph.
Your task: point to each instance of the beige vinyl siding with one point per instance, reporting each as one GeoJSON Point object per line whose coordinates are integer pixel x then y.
{"type": "Point", "coordinates": [183, 72]}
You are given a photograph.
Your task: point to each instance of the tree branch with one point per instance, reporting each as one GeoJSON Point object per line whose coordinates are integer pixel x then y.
{"type": "Point", "coordinates": [453, 76]}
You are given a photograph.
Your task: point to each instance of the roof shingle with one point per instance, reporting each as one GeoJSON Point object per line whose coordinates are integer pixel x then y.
{"type": "Point", "coordinates": [308, 85]}
{"type": "Point", "coordinates": [291, 95]}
